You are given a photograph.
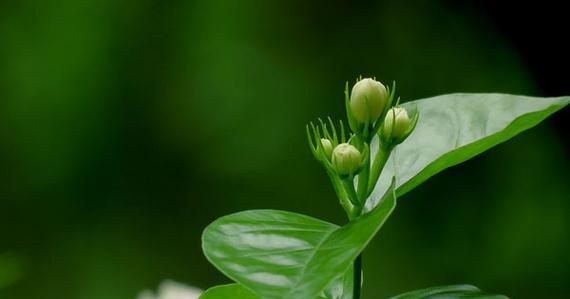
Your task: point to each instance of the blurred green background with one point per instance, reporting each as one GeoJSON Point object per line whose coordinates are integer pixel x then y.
{"type": "Point", "coordinates": [127, 126]}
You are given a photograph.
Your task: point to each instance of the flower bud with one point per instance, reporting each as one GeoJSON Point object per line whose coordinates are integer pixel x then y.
{"type": "Point", "coordinates": [368, 100]}
{"type": "Point", "coordinates": [396, 128]}
{"type": "Point", "coordinates": [327, 147]}
{"type": "Point", "coordinates": [346, 159]}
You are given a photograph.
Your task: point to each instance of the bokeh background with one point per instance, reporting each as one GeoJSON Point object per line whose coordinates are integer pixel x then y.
{"type": "Point", "coordinates": [127, 126]}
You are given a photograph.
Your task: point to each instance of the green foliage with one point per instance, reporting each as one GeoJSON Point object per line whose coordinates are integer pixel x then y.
{"type": "Point", "coordinates": [115, 139]}
{"type": "Point", "coordinates": [456, 127]}
{"type": "Point", "coordinates": [277, 254]}
{"type": "Point", "coordinates": [228, 291]}
{"type": "Point", "coordinates": [340, 288]}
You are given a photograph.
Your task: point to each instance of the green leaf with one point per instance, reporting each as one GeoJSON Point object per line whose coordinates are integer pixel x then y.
{"type": "Point", "coordinates": [456, 127]}
{"type": "Point", "coordinates": [234, 291]}
{"type": "Point", "coordinates": [449, 292]}
{"type": "Point", "coordinates": [278, 254]}
{"type": "Point", "coordinates": [340, 288]}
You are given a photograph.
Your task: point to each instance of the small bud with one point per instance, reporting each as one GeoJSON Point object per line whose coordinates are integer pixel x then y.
{"type": "Point", "coordinates": [327, 147]}
{"type": "Point", "coordinates": [368, 100]}
{"type": "Point", "coordinates": [398, 127]}
{"type": "Point", "coordinates": [346, 159]}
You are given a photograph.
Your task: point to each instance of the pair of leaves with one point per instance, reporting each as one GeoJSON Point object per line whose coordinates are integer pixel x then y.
{"type": "Point", "coordinates": [275, 254]}
{"type": "Point", "coordinates": [278, 254]}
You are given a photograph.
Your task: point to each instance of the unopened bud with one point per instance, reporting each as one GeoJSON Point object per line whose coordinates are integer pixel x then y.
{"type": "Point", "coordinates": [368, 100]}
{"type": "Point", "coordinates": [346, 159]}
{"type": "Point", "coordinates": [396, 123]}
{"type": "Point", "coordinates": [327, 147]}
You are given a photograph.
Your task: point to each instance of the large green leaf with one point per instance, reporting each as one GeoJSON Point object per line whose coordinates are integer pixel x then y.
{"type": "Point", "coordinates": [449, 292]}
{"type": "Point", "coordinates": [233, 291]}
{"type": "Point", "coordinates": [340, 288]}
{"type": "Point", "coordinates": [456, 127]}
{"type": "Point", "coordinates": [236, 291]}
{"type": "Point", "coordinates": [279, 254]}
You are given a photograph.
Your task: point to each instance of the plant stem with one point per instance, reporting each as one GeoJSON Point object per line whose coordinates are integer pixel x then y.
{"type": "Point", "coordinates": [356, 206]}
{"type": "Point", "coordinates": [357, 277]}
{"type": "Point", "coordinates": [379, 162]}
{"type": "Point", "coordinates": [363, 180]}
{"type": "Point", "coordinates": [366, 183]}
{"type": "Point", "coordinates": [342, 194]}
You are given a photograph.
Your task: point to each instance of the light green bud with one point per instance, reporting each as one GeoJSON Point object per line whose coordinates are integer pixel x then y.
{"type": "Point", "coordinates": [346, 159]}
{"type": "Point", "coordinates": [327, 147]}
{"type": "Point", "coordinates": [368, 100]}
{"type": "Point", "coordinates": [396, 128]}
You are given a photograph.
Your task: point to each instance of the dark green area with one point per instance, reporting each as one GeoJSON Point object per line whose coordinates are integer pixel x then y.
{"type": "Point", "coordinates": [127, 126]}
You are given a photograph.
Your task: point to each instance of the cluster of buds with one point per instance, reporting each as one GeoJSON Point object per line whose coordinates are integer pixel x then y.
{"type": "Point", "coordinates": [333, 150]}
{"type": "Point", "coordinates": [346, 157]}
{"type": "Point", "coordinates": [369, 108]}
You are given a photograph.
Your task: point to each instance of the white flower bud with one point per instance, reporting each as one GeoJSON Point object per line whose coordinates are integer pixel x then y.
{"type": "Point", "coordinates": [346, 159]}
{"type": "Point", "coordinates": [327, 147]}
{"type": "Point", "coordinates": [368, 100]}
{"type": "Point", "coordinates": [396, 128]}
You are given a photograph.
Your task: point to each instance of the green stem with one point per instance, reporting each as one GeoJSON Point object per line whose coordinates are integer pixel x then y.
{"type": "Point", "coordinates": [341, 193]}
{"type": "Point", "coordinates": [379, 162]}
{"type": "Point", "coordinates": [348, 184]}
{"type": "Point", "coordinates": [363, 178]}
{"type": "Point", "coordinates": [357, 277]}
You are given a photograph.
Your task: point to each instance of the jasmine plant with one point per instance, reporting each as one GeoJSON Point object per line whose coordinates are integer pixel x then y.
{"type": "Point", "coordinates": [384, 150]}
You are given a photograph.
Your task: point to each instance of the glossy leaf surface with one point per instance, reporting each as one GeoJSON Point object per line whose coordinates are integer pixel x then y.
{"type": "Point", "coordinates": [340, 288]}
{"type": "Point", "coordinates": [233, 291]}
{"type": "Point", "coordinates": [279, 254]}
{"type": "Point", "coordinates": [449, 292]}
{"type": "Point", "coordinates": [456, 127]}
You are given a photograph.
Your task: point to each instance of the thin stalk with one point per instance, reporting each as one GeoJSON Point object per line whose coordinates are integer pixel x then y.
{"type": "Point", "coordinates": [363, 178]}
{"type": "Point", "coordinates": [343, 196]}
{"type": "Point", "coordinates": [379, 162]}
{"type": "Point", "coordinates": [357, 277]}
{"type": "Point", "coordinates": [348, 184]}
